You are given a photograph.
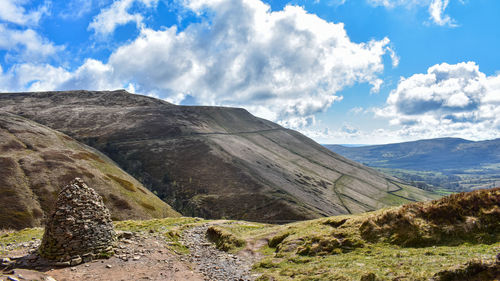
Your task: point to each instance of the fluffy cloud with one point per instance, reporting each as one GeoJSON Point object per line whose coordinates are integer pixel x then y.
{"type": "Point", "coordinates": [285, 65]}
{"type": "Point", "coordinates": [26, 43]}
{"type": "Point", "coordinates": [118, 14]}
{"type": "Point", "coordinates": [448, 100]}
{"type": "Point", "coordinates": [13, 11]}
{"type": "Point", "coordinates": [436, 11]}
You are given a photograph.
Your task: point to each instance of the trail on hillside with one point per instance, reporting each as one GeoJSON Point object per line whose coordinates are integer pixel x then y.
{"type": "Point", "coordinates": [212, 263]}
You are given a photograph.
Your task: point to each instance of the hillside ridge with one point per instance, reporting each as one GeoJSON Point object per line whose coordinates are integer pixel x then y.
{"type": "Point", "coordinates": [215, 162]}
{"type": "Point", "coordinates": [37, 161]}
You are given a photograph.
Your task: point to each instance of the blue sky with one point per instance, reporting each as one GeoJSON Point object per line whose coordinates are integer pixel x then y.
{"type": "Point", "coordinates": [340, 71]}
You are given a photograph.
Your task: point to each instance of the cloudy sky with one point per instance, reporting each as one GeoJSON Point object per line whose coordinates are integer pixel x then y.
{"type": "Point", "coordinates": [340, 71]}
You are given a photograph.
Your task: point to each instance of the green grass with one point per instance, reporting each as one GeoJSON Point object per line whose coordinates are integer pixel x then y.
{"type": "Point", "coordinates": [387, 262]}
{"type": "Point", "coordinates": [170, 228]}
{"type": "Point", "coordinates": [339, 248]}
{"type": "Point", "coordinates": [21, 236]}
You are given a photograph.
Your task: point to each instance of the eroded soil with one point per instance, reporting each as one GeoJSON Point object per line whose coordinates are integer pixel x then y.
{"type": "Point", "coordinates": [146, 256]}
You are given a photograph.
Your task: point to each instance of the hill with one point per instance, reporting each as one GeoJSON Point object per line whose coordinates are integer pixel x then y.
{"type": "Point", "coordinates": [452, 163]}
{"type": "Point", "coordinates": [215, 162]}
{"type": "Point", "coordinates": [37, 161]}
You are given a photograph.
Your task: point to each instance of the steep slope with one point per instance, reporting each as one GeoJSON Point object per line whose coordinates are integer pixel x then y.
{"type": "Point", "coordinates": [214, 162]}
{"type": "Point", "coordinates": [37, 161]}
{"type": "Point", "coordinates": [449, 162]}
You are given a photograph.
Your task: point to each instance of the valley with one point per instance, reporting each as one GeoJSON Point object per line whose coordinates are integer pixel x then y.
{"type": "Point", "coordinates": [446, 164]}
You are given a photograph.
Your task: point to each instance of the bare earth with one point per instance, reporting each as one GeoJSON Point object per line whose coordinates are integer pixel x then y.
{"type": "Point", "coordinates": [147, 257]}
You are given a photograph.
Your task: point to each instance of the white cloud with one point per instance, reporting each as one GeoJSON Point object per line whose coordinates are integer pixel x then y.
{"type": "Point", "coordinates": [357, 110]}
{"type": "Point", "coordinates": [285, 65]}
{"type": "Point", "coordinates": [448, 100]}
{"type": "Point", "coordinates": [394, 57]}
{"type": "Point", "coordinates": [118, 14]}
{"type": "Point", "coordinates": [26, 43]}
{"type": "Point", "coordinates": [33, 77]}
{"type": "Point", "coordinates": [13, 11]}
{"type": "Point", "coordinates": [75, 9]}
{"type": "Point", "coordinates": [436, 8]}
{"type": "Point", "coordinates": [436, 11]}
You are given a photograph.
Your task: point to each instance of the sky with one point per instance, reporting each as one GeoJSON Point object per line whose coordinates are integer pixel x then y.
{"type": "Point", "coordinates": [339, 71]}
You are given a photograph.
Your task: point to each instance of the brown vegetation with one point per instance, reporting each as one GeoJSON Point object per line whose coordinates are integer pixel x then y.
{"type": "Point", "coordinates": [465, 217]}
{"type": "Point", "coordinates": [214, 162]}
{"type": "Point", "coordinates": [32, 174]}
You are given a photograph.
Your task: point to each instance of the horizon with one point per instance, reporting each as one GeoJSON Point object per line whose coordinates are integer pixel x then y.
{"type": "Point", "coordinates": [338, 71]}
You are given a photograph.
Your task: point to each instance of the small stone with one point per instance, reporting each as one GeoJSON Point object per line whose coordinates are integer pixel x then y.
{"type": "Point", "coordinates": [136, 258]}
{"type": "Point", "coordinates": [12, 278]}
{"type": "Point", "coordinates": [62, 263]}
{"type": "Point", "coordinates": [109, 266]}
{"type": "Point", "coordinates": [49, 278]}
{"type": "Point", "coordinates": [76, 261]}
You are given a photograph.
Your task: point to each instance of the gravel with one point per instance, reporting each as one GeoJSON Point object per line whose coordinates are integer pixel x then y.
{"type": "Point", "coordinates": [213, 263]}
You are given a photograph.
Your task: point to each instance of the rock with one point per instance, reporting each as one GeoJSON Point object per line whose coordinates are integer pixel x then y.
{"type": "Point", "coordinates": [49, 278]}
{"type": "Point", "coordinates": [5, 261]}
{"type": "Point", "coordinates": [125, 235]}
{"type": "Point", "coordinates": [80, 225]}
{"type": "Point", "coordinates": [109, 266]}
{"type": "Point", "coordinates": [12, 278]}
{"type": "Point", "coordinates": [62, 263]}
{"type": "Point", "coordinates": [76, 261]}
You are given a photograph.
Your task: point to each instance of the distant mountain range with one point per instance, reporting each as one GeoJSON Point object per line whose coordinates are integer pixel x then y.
{"type": "Point", "coordinates": [452, 163]}
{"type": "Point", "coordinates": [214, 162]}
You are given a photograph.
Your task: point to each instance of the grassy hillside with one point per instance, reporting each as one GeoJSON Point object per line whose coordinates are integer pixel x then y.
{"type": "Point", "coordinates": [36, 162]}
{"type": "Point", "coordinates": [451, 163]}
{"type": "Point", "coordinates": [454, 238]}
{"type": "Point", "coordinates": [215, 162]}
{"type": "Point", "coordinates": [413, 242]}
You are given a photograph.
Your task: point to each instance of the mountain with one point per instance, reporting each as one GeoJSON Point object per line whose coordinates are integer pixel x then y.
{"type": "Point", "coordinates": [448, 162]}
{"type": "Point", "coordinates": [215, 162]}
{"type": "Point", "coordinates": [37, 161]}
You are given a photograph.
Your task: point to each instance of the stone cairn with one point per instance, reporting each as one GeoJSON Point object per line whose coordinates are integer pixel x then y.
{"type": "Point", "coordinates": [80, 228]}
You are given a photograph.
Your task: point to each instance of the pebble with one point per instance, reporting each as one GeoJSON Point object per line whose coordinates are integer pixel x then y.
{"type": "Point", "coordinates": [109, 266]}
{"type": "Point", "coordinates": [212, 263]}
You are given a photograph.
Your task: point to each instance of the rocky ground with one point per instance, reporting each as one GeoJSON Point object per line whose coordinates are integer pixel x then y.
{"type": "Point", "coordinates": [212, 263]}
{"type": "Point", "coordinates": [142, 256]}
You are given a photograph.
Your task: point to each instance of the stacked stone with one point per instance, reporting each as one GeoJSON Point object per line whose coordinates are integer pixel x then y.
{"type": "Point", "coordinates": [80, 229]}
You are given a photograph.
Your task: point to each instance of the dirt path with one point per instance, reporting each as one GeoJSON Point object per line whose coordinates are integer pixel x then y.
{"type": "Point", "coordinates": [141, 257]}
{"type": "Point", "coordinates": [145, 256]}
{"type": "Point", "coordinates": [212, 263]}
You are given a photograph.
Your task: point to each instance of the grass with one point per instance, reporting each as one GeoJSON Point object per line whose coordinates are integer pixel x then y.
{"type": "Point", "coordinates": [337, 248]}
{"type": "Point", "coordinates": [14, 237]}
{"type": "Point", "coordinates": [387, 262]}
{"type": "Point", "coordinates": [346, 248]}
{"type": "Point", "coordinates": [465, 217]}
{"type": "Point", "coordinates": [223, 239]}
{"type": "Point", "coordinates": [170, 228]}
